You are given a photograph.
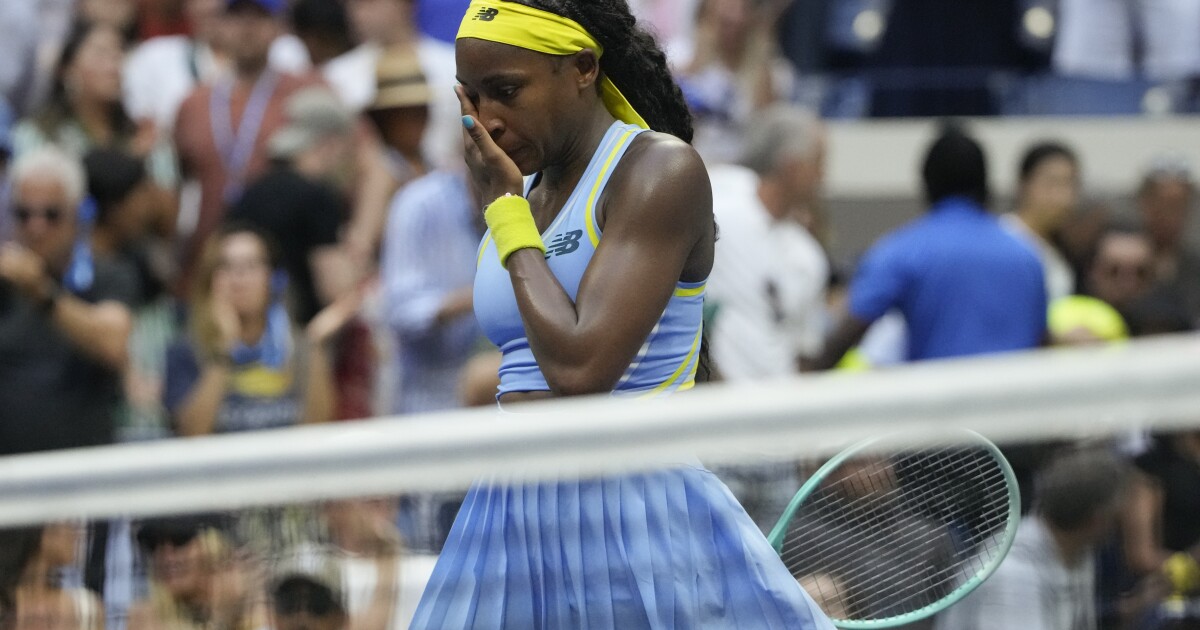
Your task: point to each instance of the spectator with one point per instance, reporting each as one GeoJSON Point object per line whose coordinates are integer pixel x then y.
{"type": "Point", "coordinates": [197, 580]}
{"type": "Point", "coordinates": [307, 594]}
{"type": "Point", "coordinates": [964, 285]}
{"type": "Point", "coordinates": [1164, 201]}
{"type": "Point", "coordinates": [18, 52]}
{"type": "Point", "coordinates": [64, 319]}
{"type": "Point", "coordinates": [161, 72]}
{"type": "Point", "coordinates": [296, 204]}
{"type": "Point", "coordinates": [735, 69]}
{"type": "Point", "coordinates": [388, 24]}
{"type": "Point", "coordinates": [323, 28]}
{"type": "Point", "coordinates": [85, 110]}
{"type": "Point", "coordinates": [400, 111]}
{"type": "Point", "coordinates": [222, 129]}
{"type": "Point", "coordinates": [1047, 195]}
{"type": "Point", "coordinates": [120, 15]}
{"type": "Point", "coordinates": [124, 198]}
{"type": "Point", "coordinates": [1121, 272]}
{"type": "Point", "coordinates": [1047, 581]}
{"type": "Point", "coordinates": [382, 582]}
{"type": "Point", "coordinates": [40, 600]}
{"type": "Point", "coordinates": [1121, 40]}
{"type": "Point", "coordinates": [769, 278]}
{"type": "Point", "coordinates": [428, 264]}
{"type": "Point", "coordinates": [243, 366]}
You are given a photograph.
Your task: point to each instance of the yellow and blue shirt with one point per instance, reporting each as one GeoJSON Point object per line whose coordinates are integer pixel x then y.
{"type": "Point", "coordinates": [667, 360]}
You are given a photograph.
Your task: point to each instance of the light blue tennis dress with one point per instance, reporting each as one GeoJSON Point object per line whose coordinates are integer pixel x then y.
{"type": "Point", "coordinates": [663, 550]}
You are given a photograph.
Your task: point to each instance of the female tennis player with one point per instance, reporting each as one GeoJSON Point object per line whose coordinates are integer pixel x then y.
{"type": "Point", "coordinates": [591, 279]}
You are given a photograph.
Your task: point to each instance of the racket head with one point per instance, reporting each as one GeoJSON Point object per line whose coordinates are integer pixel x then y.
{"type": "Point", "coordinates": [972, 561]}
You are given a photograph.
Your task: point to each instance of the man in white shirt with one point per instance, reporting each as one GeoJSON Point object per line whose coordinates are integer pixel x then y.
{"type": "Point", "coordinates": [768, 282]}
{"type": "Point", "coordinates": [161, 72]}
{"type": "Point", "coordinates": [384, 24]}
{"type": "Point", "coordinates": [1047, 581]}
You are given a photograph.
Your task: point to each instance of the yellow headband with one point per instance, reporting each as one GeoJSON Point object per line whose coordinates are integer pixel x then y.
{"type": "Point", "coordinates": [533, 29]}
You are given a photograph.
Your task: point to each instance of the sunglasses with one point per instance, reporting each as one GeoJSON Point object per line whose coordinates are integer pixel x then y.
{"type": "Point", "coordinates": [1114, 270]}
{"type": "Point", "coordinates": [52, 214]}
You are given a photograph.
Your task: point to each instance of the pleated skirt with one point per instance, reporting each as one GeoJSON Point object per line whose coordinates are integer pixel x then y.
{"type": "Point", "coordinates": [670, 549]}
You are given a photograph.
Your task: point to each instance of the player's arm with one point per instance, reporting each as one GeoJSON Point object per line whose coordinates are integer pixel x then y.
{"type": "Point", "coordinates": [651, 227]}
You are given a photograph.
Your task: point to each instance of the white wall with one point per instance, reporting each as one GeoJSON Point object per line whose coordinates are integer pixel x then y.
{"type": "Point", "coordinates": [883, 158]}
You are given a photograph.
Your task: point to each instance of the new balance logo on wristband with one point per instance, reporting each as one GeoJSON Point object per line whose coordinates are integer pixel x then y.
{"type": "Point", "coordinates": [564, 243]}
{"type": "Point", "coordinates": [486, 14]}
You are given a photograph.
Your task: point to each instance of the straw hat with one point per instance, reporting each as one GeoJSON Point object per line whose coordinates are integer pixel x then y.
{"type": "Point", "coordinates": [399, 81]}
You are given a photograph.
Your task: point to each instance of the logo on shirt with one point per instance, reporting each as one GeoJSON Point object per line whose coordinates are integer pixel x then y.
{"type": "Point", "coordinates": [564, 243]}
{"type": "Point", "coordinates": [486, 14]}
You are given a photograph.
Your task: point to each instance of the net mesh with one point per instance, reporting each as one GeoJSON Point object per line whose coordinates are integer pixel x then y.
{"type": "Point", "coordinates": [371, 502]}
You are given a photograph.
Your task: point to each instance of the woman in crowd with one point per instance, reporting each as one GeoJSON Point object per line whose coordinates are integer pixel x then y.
{"type": "Point", "coordinates": [85, 109]}
{"type": "Point", "coordinates": [31, 591]}
{"type": "Point", "coordinates": [244, 365]}
{"type": "Point", "coordinates": [197, 580]}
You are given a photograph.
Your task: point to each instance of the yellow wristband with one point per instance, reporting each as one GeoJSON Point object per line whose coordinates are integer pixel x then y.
{"type": "Point", "coordinates": [512, 226]}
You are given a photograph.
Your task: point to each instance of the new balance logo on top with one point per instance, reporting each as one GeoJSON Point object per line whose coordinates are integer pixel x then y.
{"type": "Point", "coordinates": [487, 14]}
{"type": "Point", "coordinates": [564, 243]}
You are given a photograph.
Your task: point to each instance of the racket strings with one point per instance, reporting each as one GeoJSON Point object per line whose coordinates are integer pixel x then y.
{"type": "Point", "coordinates": [891, 536]}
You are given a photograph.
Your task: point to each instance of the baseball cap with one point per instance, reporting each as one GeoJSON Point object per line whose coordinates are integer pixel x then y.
{"type": "Point", "coordinates": [273, 7]}
{"type": "Point", "coordinates": [399, 81]}
{"type": "Point", "coordinates": [312, 114]}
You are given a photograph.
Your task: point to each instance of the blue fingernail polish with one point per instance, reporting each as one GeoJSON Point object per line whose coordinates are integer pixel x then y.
{"type": "Point", "coordinates": [468, 122]}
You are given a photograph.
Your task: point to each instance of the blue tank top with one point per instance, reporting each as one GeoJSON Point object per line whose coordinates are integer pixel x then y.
{"type": "Point", "coordinates": [668, 358]}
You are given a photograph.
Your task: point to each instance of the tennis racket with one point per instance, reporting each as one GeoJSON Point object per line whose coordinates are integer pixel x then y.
{"type": "Point", "coordinates": [895, 529]}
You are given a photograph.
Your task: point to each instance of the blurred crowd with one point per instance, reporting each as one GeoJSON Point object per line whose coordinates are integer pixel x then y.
{"type": "Point", "coordinates": [235, 215]}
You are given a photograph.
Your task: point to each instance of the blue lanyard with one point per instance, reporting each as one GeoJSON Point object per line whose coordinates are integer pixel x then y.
{"type": "Point", "coordinates": [236, 148]}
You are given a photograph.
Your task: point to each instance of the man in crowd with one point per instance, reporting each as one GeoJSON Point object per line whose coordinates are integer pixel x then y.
{"type": "Point", "coordinates": [1047, 581]}
{"type": "Point", "coordinates": [64, 319]}
{"type": "Point", "coordinates": [222, 129]}
{"type": "Point", "coordinates": [295, 202]}
{"type": "Point", "coordinates": [964, 284]}
{"type": "Point", "coordinates": [1165, 200]}
{"type": "Point", "coordinates": [768, 281]}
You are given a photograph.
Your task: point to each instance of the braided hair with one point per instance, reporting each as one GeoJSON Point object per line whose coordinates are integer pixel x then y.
{"type": "Point", "coordinates": [633, 60]}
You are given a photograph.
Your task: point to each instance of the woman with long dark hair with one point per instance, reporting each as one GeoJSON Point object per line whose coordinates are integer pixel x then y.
{"type": "Point", "coordinates": [591, 279]}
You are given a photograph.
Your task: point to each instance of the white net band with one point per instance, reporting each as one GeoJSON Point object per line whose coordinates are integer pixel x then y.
{"type": "Point", "coordinates": [1068, 393]}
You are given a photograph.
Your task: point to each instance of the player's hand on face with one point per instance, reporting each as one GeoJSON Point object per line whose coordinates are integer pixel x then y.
{"type": "Point", "coordinates": [493, 172]}
{"type": "Point", "coordinates": [25, 270]}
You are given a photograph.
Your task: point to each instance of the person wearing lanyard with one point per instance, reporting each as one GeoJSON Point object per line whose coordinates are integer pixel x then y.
{"type": "Point", "coordinates": [221, 129]}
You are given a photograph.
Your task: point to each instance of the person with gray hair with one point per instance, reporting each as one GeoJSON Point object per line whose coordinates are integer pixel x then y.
{"type": "Point", "coordinates": [769, 274]}
{"type": "Point", "coordinates": [769, 278]}
{"type": "Point", "coordinates": [64, 319]}
{"type": "Point", "coordinates": [1047, 581]}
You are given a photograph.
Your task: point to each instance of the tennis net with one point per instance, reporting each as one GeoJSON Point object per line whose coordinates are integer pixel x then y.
{"type": "Point", "coordinates": [285, 498]}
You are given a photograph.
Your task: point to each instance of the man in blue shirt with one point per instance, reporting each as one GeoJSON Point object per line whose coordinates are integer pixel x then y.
{"type": "Point", "coordinates": [964, 284]}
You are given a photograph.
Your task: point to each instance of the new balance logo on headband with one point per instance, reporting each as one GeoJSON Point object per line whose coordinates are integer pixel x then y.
{"type": "Point", "coordinates": [487, 14]}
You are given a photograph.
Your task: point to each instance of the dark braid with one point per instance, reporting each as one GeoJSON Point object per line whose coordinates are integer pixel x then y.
{"type": "Point", "coordinates": [633, 60]}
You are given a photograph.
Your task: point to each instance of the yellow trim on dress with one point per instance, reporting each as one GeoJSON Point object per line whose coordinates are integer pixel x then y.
{"type": "Point", "coordinates": [591, 202]}
{"type": "Point", "coordinates": [487, 238]}
{"type": "Point", "coordinates": [679, 370]}
{"type": "Point", "coordinates": [690, 292]}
